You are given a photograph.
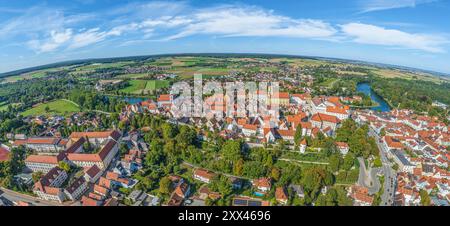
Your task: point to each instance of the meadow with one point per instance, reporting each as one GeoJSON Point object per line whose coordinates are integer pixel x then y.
{"type": "Point", "coordinates": [55, 107]}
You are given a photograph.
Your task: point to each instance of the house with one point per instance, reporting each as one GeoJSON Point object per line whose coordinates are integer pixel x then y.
{"type": "Point", "coordinates": [341, 113]}
{"type": "Point", "coordinates": [87, 201]}
{"type": "Point", "coordinates": [303, 146]}
{"type": "Point", "coordinates": [323, 121]}
{"type": "Point", "coordinates": [48, 187]}
{"type": "Point", "coordinates": [262, 184]}
{"type": "Point", "coordinates": [298, 190]}
{"type": "Point", "coordinates": [47, 145]}
{"type": "Point", "coordinates": [249, 130]}
{"type": "Point", "coordinates": [181, 192]}
{"type": "Point", "coordinates": [102, 159]}
{"type": "Point", "coordinates": [281, 98]}
{"type": "Point", "coordinates": [287, 135]}
{"type": "Point", "coordinates": [360, 196]}
{"type": "Point", "coordinates": [281, 196]}
{"type": "Point", "coordinates": [75, 190]}
{"type": "Point", "coordinates": [101, 190]}
{"type": "Point", "coordinates": [203, 175]}
{"type": "Point", "coordinates": [165, 100]}
{"type": "Point", "coordinates": [96, 138]}
{"type": "Point", "coordinates": [342, 147]}
{"type": "Point", "coordinates": [391, 143]}
{"type": "Point", "coordinates": [4, 154]}
{"type": "Point", "coordinates": [403, 163]}
{"type": "Point", "coordinates": [91, 174]}
{"type": "Point", "coordinates": [43, 163]}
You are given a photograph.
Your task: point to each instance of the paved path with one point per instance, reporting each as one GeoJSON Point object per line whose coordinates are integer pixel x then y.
{"type": "Point", "coordinates": [368, 178]}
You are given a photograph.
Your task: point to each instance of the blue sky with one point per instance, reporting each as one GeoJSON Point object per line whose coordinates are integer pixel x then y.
{"type": "Point", "coordinates": [412, 33]}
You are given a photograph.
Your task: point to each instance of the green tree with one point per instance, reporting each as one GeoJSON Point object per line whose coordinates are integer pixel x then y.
{"type": "Point", "coordinates": [424, 198]}
{"type": "Point", "coordinates": [64, 165]}
{"type": "Point", "coordinates": [349, 161]}
{"type": "Point", "coordinates": [36, 176]}
{"type": "Point", "coordinates": [298, 134]}
{"type": "Point", "coordinates": [164, 185]}
{"type": "Point", "coordinates": [335, 162]}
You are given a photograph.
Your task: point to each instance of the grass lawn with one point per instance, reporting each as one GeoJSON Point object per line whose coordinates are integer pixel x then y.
{"type": "Point", "coordinates": [146, 86]}
{"type": "Point", "coordinates": [156, 84]}
{"type": "Point", "coordinates": [136, 86]}
{"type": "Point", "coordinates": [58, 107]}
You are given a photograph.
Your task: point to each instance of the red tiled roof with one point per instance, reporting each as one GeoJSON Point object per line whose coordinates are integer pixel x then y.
{"type": "Point", "coordinates": [20, 142]}
{"type": "Point", "coordinates": [100, 190]}
{"type": "Point", "coordinates": [204, 173]}
{"type": "Point", "coordinates": [250, 127]}
{"type": "Point", "coordinates": [337, 110]}
{"type": "Point", "coordinates": [99, 157]}
{"type": "Point", "coordinates": [262, 182]}
{"type": "Point", "coordinates": [4, 154]}
{"type": "Point", "coordinates": [164, 97]}
{"type": "Point", "coordinates": [104, 134]}
{"type": "Point", "coordinates": [342, 144]}
{"type": "Point", "coordinates": [45, 159]}
{"type": "Point", "coordinates": [286, 133]}
{"type": "Point", "coordinates": [43, 140]}
{"type": "Point", "coordinates": [280, 194]}
{"type": "Point", "coordinates": [86, 201]}
{"type": "Point", "coordinates": [393, 143]}
{"type": "Point", "coordinates": [104, 182]}
{"type": "Point", "coordinates": [92, 171]}
{"type": "Point", "coordinates": [324, 117]}
{"type": "Point", "coordinates": [112, 176]}
{"type": "Point", "coordinates": [281, 95]}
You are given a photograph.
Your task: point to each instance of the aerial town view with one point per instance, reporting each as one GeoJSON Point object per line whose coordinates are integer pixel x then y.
{"type": "Point", "coordinates": [196, 103]}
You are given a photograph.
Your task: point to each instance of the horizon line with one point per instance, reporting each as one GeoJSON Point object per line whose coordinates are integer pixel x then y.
{"type": "Point", "coordinates": [78, 61]}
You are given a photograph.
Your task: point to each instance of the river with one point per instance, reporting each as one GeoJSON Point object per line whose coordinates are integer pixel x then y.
{"type": "Point", "coordinates": [365, 88]}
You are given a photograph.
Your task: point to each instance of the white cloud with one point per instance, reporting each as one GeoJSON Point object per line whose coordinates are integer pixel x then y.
{"type": "Point", "coordinates": [55, 40]}
{"type": "Point", "coordinates": [370, 34]}
{"type": "Point", "coordinates": [251, 21]}
{"type": "Point", "coordinates": [378, 5]}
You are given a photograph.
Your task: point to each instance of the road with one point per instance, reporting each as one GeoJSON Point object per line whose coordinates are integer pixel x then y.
{"type": "Point", "coordinates": [390, 176]}
{"type": "Point", "coordinates": [368, 178]}
{"type": "Point", "coordinates": [15, 197]}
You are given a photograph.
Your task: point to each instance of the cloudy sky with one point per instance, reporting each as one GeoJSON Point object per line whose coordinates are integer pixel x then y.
{"type": "Point", "coordinates": [403, 32]}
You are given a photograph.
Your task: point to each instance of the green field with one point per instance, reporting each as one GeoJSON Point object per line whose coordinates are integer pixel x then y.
{"type": "Point", "coordinates": [153, 85]}
{"type": "Point", "coordinates": [146, 86]}
{"type": "Point", "coordinates": [4, 106]}
{"type": "Point", "coordinates": [135, 86]}
{"type": "Point", "coordinates": [58, 107]}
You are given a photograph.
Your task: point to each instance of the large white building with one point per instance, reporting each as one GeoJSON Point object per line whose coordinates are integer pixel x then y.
{"type": "Point", "coordinates": [48, 187]}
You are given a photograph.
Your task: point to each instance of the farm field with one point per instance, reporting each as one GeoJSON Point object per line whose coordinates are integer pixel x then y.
{"type": "Point", "coordinates": [56, 107]}
{"type": "Point", "coordinates": [153, 85]}
{"type": "Point", "coordinates": [146, 86]}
